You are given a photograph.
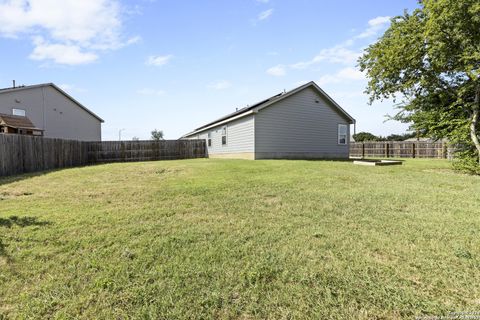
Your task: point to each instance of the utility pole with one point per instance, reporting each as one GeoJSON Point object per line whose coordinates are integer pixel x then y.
{"type": "Point", "coordinates": [120, 134]}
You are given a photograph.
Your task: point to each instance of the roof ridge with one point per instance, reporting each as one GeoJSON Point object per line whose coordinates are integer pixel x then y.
{"type": "Point", "coordinates": [267, 102]}
{"type": "Point", "coordinates": [53, 85]}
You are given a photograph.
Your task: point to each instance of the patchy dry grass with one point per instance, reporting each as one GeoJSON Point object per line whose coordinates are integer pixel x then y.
{"type": "Point", "coordinates": [240, 239]}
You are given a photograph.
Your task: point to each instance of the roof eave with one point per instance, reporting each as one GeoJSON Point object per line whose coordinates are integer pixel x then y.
{"type": "Point", "coordinates": [323, 93]}
{"type": "Point", "coordinates": [238, 116]}
{"type": "Point", "coordinates": [273, 101]}
{"type": "Point", "coordinates": [50, 84]}
{"type": "Point", "coordinates": [75, 101]}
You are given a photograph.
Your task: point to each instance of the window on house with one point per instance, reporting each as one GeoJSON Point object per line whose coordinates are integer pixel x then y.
{"type": "Point", "coordinates": [224, 135]}
{"type": "Point", "coordinates": [209, 140]}
{"type": "Point", "coordinates": [342, 134]}
{"type": "Point", "coordinates": [18, 112]}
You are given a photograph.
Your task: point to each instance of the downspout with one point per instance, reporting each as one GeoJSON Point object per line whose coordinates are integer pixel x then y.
{"type": "Point", "coordinates": [254, 115]}
{"type": "Point", "coordinates": [43, 108]}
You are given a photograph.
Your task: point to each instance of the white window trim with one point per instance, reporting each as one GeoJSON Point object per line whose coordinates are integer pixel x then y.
{"type": "Point", "coordinates": [17, 109]}
{"type": "Point", "coordinates": [224, 135]}
{"type": "Point", "coordinates": [338, 134]}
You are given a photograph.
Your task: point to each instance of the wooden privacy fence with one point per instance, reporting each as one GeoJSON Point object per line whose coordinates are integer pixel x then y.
{"type": "Point", "coordinates": [21, 154]}
{"type": "Point", "coordinates": [124, 151]}
{"type": "Point", "coordinates": [400, 149]}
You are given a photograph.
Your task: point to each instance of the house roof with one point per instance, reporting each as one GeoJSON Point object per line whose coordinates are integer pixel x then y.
{"type": "Point", "coordinates": [267, 102]}
{"type": "Point", "coordinates": [17, 122]}
{"type": "Point", "coordinates": [19, 88]}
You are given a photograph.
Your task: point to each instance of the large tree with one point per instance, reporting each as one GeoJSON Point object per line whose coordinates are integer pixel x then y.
{"type": "Point", "coordinates": [430, 60]}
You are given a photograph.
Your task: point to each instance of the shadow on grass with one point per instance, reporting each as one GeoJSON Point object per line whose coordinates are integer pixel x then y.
{"type": "Point", "coordinates": [308, 159]}
{"type": "Point", "coordinates": [328, 160]}
{"type": "Point", "coordinates": [23, 176]}
{"type": "Point", "coordinates": [21, 222]}
{"type": "Point", "coordinates": [3, 251]}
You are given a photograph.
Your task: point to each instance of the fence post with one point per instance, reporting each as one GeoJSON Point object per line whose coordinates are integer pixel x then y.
{"type": "Point", "coordinates": [363, 150]}
{"type": "Point", "coordinates": [386, 149]}
{"type": "Point", "coordinates": [444, 151]}
{"type": "Point", "coordinates": [413, 149]}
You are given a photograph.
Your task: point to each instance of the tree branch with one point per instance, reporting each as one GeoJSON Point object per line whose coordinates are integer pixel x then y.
{"type": "Point", "coordinates": [474, 122]}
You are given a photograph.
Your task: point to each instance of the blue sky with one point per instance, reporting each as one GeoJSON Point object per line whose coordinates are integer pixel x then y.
{"type": "Point", "coordinates": [174, 65]}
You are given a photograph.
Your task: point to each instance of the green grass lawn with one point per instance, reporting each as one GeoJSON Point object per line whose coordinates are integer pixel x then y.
{"type": "Point", "coordinates": [240, 239]}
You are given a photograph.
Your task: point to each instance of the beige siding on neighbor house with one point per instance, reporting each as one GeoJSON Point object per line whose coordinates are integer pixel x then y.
{"type": "Point", "coordinates": [52, 111]}
{"type": "Point", "coordinates": [238, 155]}
{"type": "Point", "coordinates": [300, 127]}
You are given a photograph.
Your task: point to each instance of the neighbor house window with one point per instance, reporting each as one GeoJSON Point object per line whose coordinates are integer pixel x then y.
{"type": "Point", "coordinates": [18, 112]}
{"type": "Point", "coordinates": [342, 134]}
{"type": "Point", "coordinates": [209, 140]}
{"type": "Point", "coordinates": [224, 135]}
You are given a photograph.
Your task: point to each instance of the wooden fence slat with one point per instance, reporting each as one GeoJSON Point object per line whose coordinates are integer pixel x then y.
{"type": "Point", "coordinates": [400, 149]}
{"type": "Point", "coordinates": [21, 154]}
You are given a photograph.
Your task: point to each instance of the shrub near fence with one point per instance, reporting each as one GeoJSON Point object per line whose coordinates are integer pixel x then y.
{"type": "Point", "coordinates": [400, 149]}
{"type": "Point", "coordinates": [22, 154]}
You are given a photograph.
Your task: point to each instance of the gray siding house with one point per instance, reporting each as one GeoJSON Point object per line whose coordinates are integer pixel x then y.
{"type": "Point", "coordinates": [52, 110]}
{"type": "Point", "coordinates": [304, 123]}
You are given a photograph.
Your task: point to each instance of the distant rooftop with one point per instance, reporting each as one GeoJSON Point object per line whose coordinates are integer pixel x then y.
{"type": "Point", "coordinates": [17, 122]}
{"type": "Point", "coordinates": [49, 84]}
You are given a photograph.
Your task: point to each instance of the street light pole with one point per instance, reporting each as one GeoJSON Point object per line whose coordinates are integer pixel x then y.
{"type": "Point", "coordinates": [120, 134]}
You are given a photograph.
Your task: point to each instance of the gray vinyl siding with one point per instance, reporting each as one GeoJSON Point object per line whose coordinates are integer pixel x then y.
{"type": "Point", "coordinates": [299, 127]}
{"type": "Point", "coordinates": [240, 137]}
{"type": "Point", "coordinates": [53, 112]}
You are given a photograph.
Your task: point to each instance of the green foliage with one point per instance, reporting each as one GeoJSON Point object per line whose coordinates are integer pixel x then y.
{"type": "Point", "coordinates": [466, 162]}
{"type": "Point", "coordinates": [430, 60]}
{"type": "Point", "coordinates": [157, 134]}
{"type": "Point", "coordinates": [399, 137]}
{"type": "Point", "coordinates": [236, 239]}
{"type": "Point", "coordinates": [365, 136]}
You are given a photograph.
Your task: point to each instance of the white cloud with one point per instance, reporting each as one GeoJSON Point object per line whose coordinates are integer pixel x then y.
{"type": "Point", "coordinates": [71, 88]}
{"type": "Point", "coordinates": [300, 83]}
{"type": "Point", "coordinates": [263, 1]}
{"type": "Point", "coordinates": [61, 53]}
{"type": "Point", "coordinates": [220, 85]}
{"type": "Point", "coordinates": [375, 25]}
{"type": "Point", "coordinates": [344, 75]}
{"type": "Point", "coordinates": [265, 15]}
{"type": "Point", "coordinates": [158, 61]}
{"type": "Point", "coordinates": [151, 92]}
{"type": "Point", "coordinates": [342, 53]}
{"type": "Point", "coordinates": [79, 27]}
{"type": "Point", "coordinates": [337, 54]}
{"type": "Point", "coordinates": [277, 71]}
{"type": "Point", "coordinates": [66, 87]}
{"type": "Point", "coordinates": [351, 74]}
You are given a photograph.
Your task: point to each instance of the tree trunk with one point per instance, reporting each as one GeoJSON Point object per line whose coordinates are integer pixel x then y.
{"type": "Point", "coordinates": [474, 122]}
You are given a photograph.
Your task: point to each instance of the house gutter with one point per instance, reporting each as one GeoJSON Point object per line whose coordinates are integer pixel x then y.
{"type": "Point", "coordinates": [219, 123]}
